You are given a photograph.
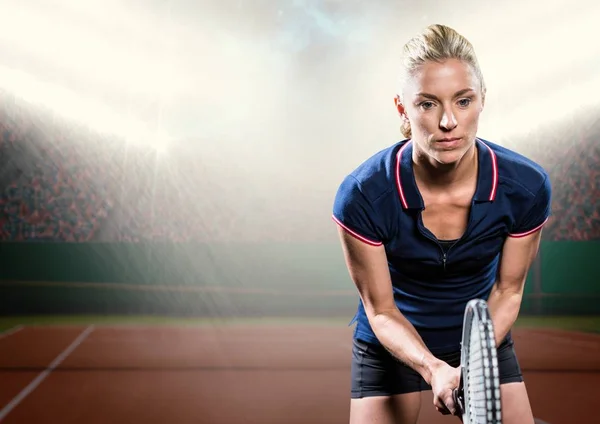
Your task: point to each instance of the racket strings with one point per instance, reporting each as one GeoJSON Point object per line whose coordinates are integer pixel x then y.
{"type": "Point", "coordinates": [476, 384]}
{"type": "Point", "coordinates": [482, 385]}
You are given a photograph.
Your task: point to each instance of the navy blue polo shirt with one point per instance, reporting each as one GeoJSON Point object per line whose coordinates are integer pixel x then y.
{"type": "Point", "coordinates": [380, 204]}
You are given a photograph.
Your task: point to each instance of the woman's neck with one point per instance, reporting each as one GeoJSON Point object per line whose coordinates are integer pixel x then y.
{"type": "Point", "coordinates": [439, 176]}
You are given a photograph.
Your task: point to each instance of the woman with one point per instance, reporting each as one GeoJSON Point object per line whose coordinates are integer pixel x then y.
{"type": "Point", "coordinates": [429, 223]}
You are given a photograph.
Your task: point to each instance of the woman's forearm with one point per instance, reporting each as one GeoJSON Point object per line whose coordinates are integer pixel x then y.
{"type": "Point", "coordinates": [504, 306]}
{"type": "Point", "coordinates": [401, 339]}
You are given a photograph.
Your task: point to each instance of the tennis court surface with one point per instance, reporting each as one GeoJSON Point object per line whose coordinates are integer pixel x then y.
{"type": "Point", "coordinates": [240, 372]}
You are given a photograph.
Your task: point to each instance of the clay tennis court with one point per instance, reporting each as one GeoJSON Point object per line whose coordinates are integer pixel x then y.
{"type": "Point", "coordinates": [230, 374]}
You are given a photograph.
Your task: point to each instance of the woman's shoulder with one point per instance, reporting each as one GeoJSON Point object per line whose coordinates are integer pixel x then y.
{"type": "Point", "coordinates": [517, 168]}
{"type": "Point", "coordinates": [526, 186]}
{"type": "Point", "coordinates": [376, 175]}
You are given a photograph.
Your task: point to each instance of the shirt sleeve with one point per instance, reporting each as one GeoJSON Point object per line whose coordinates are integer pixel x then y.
{"type": "Point", "coordinates": [354, 213]}
{"type": "Point", "coordinates": [537, 214]}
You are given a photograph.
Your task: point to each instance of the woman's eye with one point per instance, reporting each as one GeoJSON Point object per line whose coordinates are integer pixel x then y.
{"type": "Point", "coordinates": [464, 102]}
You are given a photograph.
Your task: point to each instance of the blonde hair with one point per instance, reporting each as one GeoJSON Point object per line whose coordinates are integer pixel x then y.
{"type": "Point", "coordinates": [436, 43]}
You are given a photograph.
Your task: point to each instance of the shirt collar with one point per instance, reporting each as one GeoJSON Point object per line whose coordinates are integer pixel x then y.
{"type": "Point", "coordinates": [410, 198]}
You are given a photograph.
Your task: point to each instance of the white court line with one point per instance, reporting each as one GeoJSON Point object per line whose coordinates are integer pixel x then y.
{"type": "Point", "coordinates": [10, 331]}
{"type": "Point", "coordinates": [36, 382]}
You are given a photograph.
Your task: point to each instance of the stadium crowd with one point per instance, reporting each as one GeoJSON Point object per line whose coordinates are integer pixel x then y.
{"type": "Point", "coordinates": [48, 192]}
{"type": "Point", "coordinates": [63, 183]}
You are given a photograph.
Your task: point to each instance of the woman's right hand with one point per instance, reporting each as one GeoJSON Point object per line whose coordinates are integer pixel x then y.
{"type": "Point", "coordinates": [444, 379]}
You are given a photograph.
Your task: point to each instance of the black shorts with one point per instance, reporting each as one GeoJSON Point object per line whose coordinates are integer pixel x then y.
{"type": "Point", "coordinates": [375, 372]}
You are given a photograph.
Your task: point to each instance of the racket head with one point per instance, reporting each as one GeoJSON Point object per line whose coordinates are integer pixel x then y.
{"type": "Point", "coordinates": [479, 391]}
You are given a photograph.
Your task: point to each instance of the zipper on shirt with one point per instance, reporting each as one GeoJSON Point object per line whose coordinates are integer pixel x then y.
{"type": "Point", "coordinates": [435, 240]}
{"type": "Point", "coordinates": [428, 234]}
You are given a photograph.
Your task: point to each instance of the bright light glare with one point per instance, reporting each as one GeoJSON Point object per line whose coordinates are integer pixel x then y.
{"type": "Point", "coordinates": [67, 103]}
{"type": "Point", "coordinates": [113, 58]}
{"type": "Point", "coordinates": [557, 106]}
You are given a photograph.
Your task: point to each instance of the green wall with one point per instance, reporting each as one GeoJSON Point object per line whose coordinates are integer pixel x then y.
{"type": "Point", "coordinates": [571, 267]}
{"type": "Point", "coordinates": [295, 279]}
{"type": "Point", "coordinates": [264, 265]}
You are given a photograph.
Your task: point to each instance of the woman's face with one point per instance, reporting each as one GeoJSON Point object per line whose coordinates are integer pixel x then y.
{"type": "Point", "coordinates": [442, 102]}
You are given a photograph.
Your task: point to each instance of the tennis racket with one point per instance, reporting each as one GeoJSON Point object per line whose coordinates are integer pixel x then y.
{"type": "Point", "coordinates": [477, 397]}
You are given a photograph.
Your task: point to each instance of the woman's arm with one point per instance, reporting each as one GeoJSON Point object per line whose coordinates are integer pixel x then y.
{"type": "Point", "coordinates": [507, 293]}
{"type": "Point", "coordinates": [368, 268]}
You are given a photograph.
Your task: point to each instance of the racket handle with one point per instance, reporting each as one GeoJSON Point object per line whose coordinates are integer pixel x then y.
{"type": "Point", "coordinates": [457, 396]}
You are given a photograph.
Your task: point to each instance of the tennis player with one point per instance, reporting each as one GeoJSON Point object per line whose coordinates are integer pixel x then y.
{"type": "Point", "coordinates": [429, 223]}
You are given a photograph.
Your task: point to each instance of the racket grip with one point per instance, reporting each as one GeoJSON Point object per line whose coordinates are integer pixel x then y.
{"type": "Point", "coordinates": [458, 402]}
